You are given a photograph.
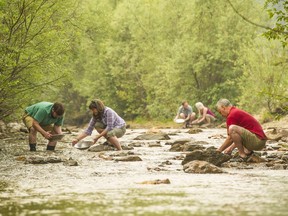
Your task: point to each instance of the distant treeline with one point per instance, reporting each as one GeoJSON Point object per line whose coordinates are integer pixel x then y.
{"type": "Point", "coordinates": [143, 57]}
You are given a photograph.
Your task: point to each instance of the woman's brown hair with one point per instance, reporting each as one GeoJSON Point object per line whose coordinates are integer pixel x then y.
{"type": "Point", "coordinates": [99, 106]}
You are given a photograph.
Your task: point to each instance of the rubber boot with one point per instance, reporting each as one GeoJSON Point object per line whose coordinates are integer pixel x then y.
{"type": "Point", "coordinates": [50, 148]}
{"type": "Point", "coordinates": [32, 146]}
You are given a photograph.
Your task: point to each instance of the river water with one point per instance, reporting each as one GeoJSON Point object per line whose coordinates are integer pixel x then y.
{"type": "Point", "coordinates": [107, 187]}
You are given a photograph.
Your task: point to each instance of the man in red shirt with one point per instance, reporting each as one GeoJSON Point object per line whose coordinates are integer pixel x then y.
{"type": "Point", "coordinates": [244, 131]}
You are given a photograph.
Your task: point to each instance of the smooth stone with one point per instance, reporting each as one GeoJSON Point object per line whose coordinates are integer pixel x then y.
{"type": "Point", "coordinates": [159, 136]}
{"type": "Point", "coordinates": [101, 147]}
{"type": "Point", "coordinates": [210, 156]}
{"type": "Point", "coordinates": [70, 162]}
{"type": "Point", "coordinates": [157, 181]}
{"type": "Point", "coordinates": [194, 130]}
{"type": "Point", "coordinates": [202, 167]}
{"type": "Point", "coordinates": [156, 144]}
{"type": "Point", "coordinates": [256, 159]}
{"type": "Point", "coordinates": [129, 158]}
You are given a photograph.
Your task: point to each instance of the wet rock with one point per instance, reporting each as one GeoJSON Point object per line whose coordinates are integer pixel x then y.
{"type": "Point", "coordinates": [156, 144]}
{"type": "Point", "coordinates": [53, 159]}
{"type": "Point", "coordinates": [177, 147]}
{"type": "Point", "coordinates": [121, 154]}
{"type": "Point", "coordinates": [3, 185]}
{"type": "Point", "coordinates": [178, 157]}
{"type": "Point", "coordinates": [2, 127]}
{"type": "Point", "coordinates": [211, 148]}
{"type": "Point", "coordinates": [35, 160]}
{"type": "Point", "coordinates": [157, 169]}
{"type": "Point", "coordinates": [14, 127]}
{"type": "Point", "coordinates": [166, 163]}
{"type": "Point", "coordinates": [159, 136]}
{"type": "Point", "coordinates": [283, 147]}
{"type": "Point", "coordinates": [181, 141]}
{"type": "Point", "coordinates": [3, 135]}
{"type": "Point", "coordinates": [202, 167]}
{"type": "Point", "coordinates": [42, 160]}
{"type": "Point", "coordinates": [217, 136]}
{"type": "Point", "coordinates": [136, 144]}
{"type": "Point", "coordinates": [279, 167]}
{"type": "Point", "coordinates": [101, 147]}
{"type": "Point", "coordinates": [24, 129]}
{"type": "Point", "coordinates": [256, 159]}
{"type": "Point", "coordinates": [237, 165]}
{"type": "Point", "coordinates": [127, 147]}
{"type": "Point", "coordinates": [194, 131]}
{"type": "Point", "coordinates": [210, 156]}
{"type": "Point", "coordinates": [188, 146]}
{"type": "Point", "coordinates": [105, 157]}
{"type": "Point", "coordinates": [277, 134]}
{"type": "Point", "coordinates": [157, 181]}
{"type": "Point", "coordinates": [192, 147]}
{"type": "Point", "coordinates": [21, 158]}
{"type": "Point", "coordinates": [70, 162]}
{"type": "Point", "coordinates": [274, 155]}
{"type": "Point", "coordinates": [285, 158]}
{"type": "Point", "coordinates": [174, 133]}
{"type": "Point", "coordinates": [129, 158]}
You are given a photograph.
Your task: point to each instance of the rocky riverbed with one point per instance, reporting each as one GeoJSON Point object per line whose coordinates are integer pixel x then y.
{"type": "Point", "coordinates": [160, 172]}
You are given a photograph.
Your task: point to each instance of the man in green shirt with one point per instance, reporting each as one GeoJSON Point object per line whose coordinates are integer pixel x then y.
{"type": "Point", "coordinates": [45, 118]}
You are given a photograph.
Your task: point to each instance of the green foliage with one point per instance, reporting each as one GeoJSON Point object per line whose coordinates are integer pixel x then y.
{"type": "Point", "coordinates": [34, 42]}
{"type": "Point", "coordinates": [265, 78]}
{"type": "Point", "coordinates": [278, 13]}
{"type": "Point", "coordinates": [141, 57]}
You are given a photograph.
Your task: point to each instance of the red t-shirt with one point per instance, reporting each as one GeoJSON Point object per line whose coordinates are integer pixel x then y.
{"type": "Point", "coordinates": [243, 119]}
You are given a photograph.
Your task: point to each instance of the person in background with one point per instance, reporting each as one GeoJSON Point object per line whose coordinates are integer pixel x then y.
{"type": "Point", "coordinates": [244, 131]}
{"type": "Point", "coordinates": [185, 112]}
{"type": "Point", "coordinates": [46, 118]}
{"type": "Point", "coordinates": [205, 115]}
{"type": "Point", "coordinates": [107, 123]}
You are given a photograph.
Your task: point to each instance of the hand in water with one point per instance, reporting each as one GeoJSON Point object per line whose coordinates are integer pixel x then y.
{"type": "Point", "coordinates": [47, 135]}
{"type": "Point", "coordinates": [75, 141]}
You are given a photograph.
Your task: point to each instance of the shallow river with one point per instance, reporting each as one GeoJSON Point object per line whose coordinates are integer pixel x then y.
{"type": "Point", "coordinates": [103, 187]}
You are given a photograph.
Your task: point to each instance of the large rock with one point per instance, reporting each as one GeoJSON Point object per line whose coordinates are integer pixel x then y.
{"type": "Point", "coordinates": [43, 160]}
{"type": "Point", "coordinates": [185, 147]}
{"type": "Point", "coordinates": [99, 148]}
{"type": "Point", "coordinates": [202, 167]}
{"type": "Point", "coordinates": [159, 136]}
{"type": "Point", "coordinates": [256, 159]}
{"type": "Point", "coordinates": [129, 158]}
{"type": "Point", "coordinates": [277, 134]}
{"type": "Point", "coordinates": [209, 155]}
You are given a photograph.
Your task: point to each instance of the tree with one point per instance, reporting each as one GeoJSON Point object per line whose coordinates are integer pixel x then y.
{"type": "Point", "coordinates": [35, 37]}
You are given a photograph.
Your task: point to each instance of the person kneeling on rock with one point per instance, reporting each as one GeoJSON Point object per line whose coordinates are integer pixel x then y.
{"type": "Point", "coordinates": [107, 123]}
{"type": "Point", "coordinates": [244, 131]}
{"type": "Point", "coordinates": [45, 118]}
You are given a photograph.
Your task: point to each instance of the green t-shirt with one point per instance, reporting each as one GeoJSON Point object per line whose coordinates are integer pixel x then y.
{"type": "Point", "coordinates": [41, 112]}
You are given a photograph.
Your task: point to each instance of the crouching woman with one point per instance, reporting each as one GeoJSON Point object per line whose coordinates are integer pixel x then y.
{"type": "Point", "coordinates": [107, 123]}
